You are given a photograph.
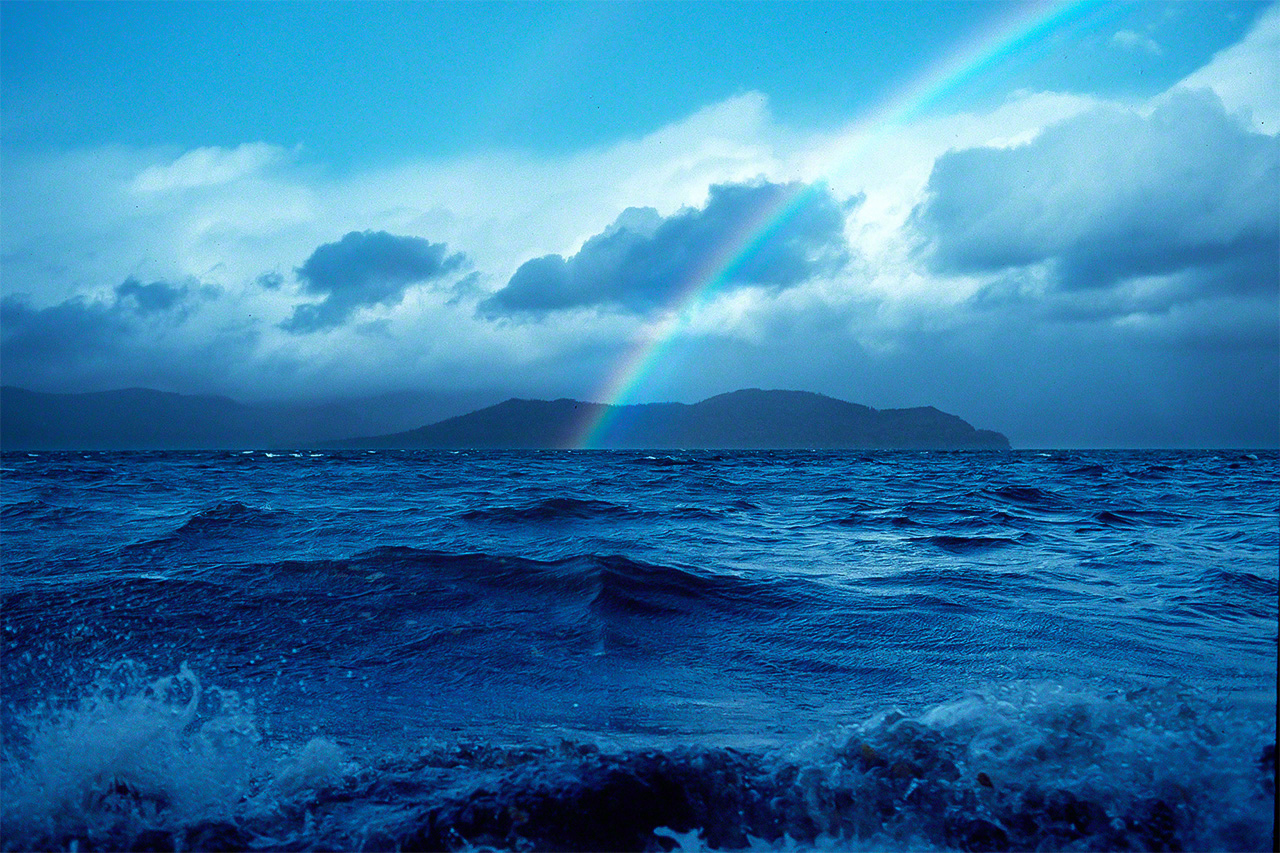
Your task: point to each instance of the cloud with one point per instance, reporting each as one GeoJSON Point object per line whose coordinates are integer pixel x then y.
{"type": "Point", "coordinates": [1130, 40]}
{"type": "Point", "coordinates": [35, 341]}
{"type": "Point", "coordinates": [62, 333]}
{"type": "Point", "coordinates": [166, 335]}
{"type": "Point", "coordinates": [644, 261]}
{"type": "Point", "coordinates": [74, 219]}
{"type": "Point", "coordinates": [365, 268]}
{"type": "Point", "coordinates": [1246, 75]}
{"type": "Point", "coordinates": [150, 298]}
{"type": "Point", "coordinates": [203, 167]}
{"type": "Point", "coordinates": [1113, 196]}
{"type": "Point", "coordinates": [269, 281]}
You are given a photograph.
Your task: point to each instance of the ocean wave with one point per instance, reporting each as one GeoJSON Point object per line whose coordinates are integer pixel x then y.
{"type": "Point", "coordinates": [1226, 593]}
{"type": "Point", "coordinates": [967, 544]}
{"type": "Point", "coordinates": [686, 513]}
{"type": "Point", "coordinates": [1116, 519]}
{"type": "Point", "coordinates": [163, 763]}
{"type": "Point", "coordinates": [636, 588]}
{"type": "Point", "coordinates": [388, 613]}
{"type": "Point", "coordinates": [669, 461]}
{"type": "Point", "coordinates": [861, 519]}
{"type": "Point", "coordinates": [39, 511]}
{"type": "Point", "coordinates": [1091, 469]}
{"type": "Point", "coordinates": [995, 519]}
{"type": "Point", "coordinates": [217, 525]}
{"type": "Point", "coordinates": [1027, 495]}
{"type": "Point", "coordinates": [228, 515]}
{"type": "Point", "coordinates": [23, 509]}
{"type": "Point", "coordinates": [1129, 517]}
{"type": "Point", "coordinates": [613, 582]}
{"type": "Point", "coordinates": [550, 509]}
{"type": "Point", "coordinates": [696, 637]}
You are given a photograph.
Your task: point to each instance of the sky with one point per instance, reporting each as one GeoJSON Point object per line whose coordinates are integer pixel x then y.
{"type": "Point", "coordinates": [1056, 220]}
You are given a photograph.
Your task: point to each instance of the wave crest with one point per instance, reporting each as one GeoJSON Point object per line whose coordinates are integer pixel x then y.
{"type": "Point", "coordinates": [1028, 766]}
{"type": "Point", "coordinates": [551, 509]}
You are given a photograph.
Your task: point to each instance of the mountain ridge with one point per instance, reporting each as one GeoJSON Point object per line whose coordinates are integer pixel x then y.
{"type": "Point", "coordinates": [147, 419]}
{"type": "Point", "coordinates": [737, 420]}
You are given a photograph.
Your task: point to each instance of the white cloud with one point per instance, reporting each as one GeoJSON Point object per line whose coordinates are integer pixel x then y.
{"type": "Point", "coordinates": [1130, 40]}
{"type": "Point", "coordinates": [204, 167]}
{"type": "Point", "coordinates": [1111, 195]}
{"type": "Point", "coordinates": [1246, 75]}
{"type": "Point", "coordinates": [505, 208]}
{"type": "Point", "coordinates": [78, 224]}
{"type": "Point", "coordinates": [891, 167]}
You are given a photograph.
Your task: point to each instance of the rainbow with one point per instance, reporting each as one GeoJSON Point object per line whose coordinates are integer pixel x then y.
{"type": "Point", "coordinates": [1014, 38]}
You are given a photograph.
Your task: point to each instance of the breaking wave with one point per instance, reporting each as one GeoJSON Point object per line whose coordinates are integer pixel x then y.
{"type": "Point", "coordinates": [165, 763]}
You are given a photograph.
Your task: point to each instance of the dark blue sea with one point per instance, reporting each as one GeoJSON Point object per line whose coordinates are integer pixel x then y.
{"type": "Point", "coordinates": [639, 651]}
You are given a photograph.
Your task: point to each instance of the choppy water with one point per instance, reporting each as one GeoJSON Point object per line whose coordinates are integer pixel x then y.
{"type": "Point", "coordinates": [629, 651]}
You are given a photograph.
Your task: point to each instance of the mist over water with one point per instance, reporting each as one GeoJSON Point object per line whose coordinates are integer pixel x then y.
{"type": "Point", "coordinates": [624, 650]}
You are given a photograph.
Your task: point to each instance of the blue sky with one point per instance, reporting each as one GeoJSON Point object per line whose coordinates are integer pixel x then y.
{"type": "Point", "coordinates": [354, 83]}
{"type": "Point", "coordinates": [1057, 220]}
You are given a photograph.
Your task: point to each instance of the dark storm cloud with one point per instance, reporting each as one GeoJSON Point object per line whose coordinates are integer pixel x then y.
{"type": "Point", "coordinates": [365, 268]}
{"type": "Point", "coordinates": [61, 333]}
{"type": "Point", "coordinates": [1110, 196]}
{"type": "Point", "coordinates": [150, 298]}
{"type": "Point", "coordinates": [643, 260]}
{"type": "Point", "coordinates": [79, 327]}
{"type": "Point", "coordinates": [135, 336]}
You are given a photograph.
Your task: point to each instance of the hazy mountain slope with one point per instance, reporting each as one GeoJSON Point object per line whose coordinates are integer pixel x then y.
{"type": "Point", "coordinates": [140, 418]}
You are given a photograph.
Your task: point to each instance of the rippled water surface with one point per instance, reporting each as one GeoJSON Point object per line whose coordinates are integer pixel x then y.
{"type": "Point", "coordinates": [618, 650]}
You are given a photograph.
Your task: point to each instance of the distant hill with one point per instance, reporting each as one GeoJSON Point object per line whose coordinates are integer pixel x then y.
{"type": "Point", "coordinates": [750, 419]}
{"type": "Point", "coordinates": [143, 419]}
